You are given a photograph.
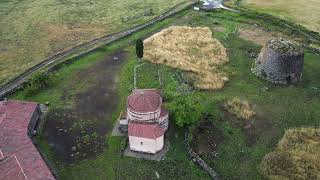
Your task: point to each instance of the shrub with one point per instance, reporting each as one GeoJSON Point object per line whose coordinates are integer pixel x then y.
{"type": "Point", "coordinates": [38, 82]}
{"type": "Point", "coordinates": [241, 109]}
{"type": "Point", "coordinates": [186, 110]}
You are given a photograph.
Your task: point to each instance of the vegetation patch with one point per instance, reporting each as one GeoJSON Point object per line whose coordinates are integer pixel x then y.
{"type": "Point", "coordinates": [240, 108]}
{"type": "Point", "coordinates": [192, 50]}
{"type": "Point", "coordinates": [297, 156]}
{"type": "Point", "coordinates": [257, 35]}
{"type": "Point", "coordinates": [306, 13]}
{"type": "Point", "coordinates": [31, 31]}
{"type": "Point", "coordinates": [206, 138]}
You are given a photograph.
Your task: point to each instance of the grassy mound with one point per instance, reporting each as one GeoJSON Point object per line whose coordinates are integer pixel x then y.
{"type": "Point", "coordinates": [297, 156]}
{"type": "Point", "coordinates": [241, 109]}
{"type": "Point", "coordinates": [192, 50]}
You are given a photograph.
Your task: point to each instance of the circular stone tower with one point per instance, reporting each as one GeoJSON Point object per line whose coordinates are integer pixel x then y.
{"type": "Point", "coordinates": [280, 62]}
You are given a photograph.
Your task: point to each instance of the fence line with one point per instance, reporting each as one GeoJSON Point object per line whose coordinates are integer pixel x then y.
{"type": "Point", "coordinates": [86, 48]}
{"type": "Point", "coordinates": [197, 159]}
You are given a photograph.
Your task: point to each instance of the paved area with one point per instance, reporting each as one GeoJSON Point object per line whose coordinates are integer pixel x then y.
{"type": "Point", "coordinates": [116, 131]}
{"type": "Point", "coordinates": [154, 157]}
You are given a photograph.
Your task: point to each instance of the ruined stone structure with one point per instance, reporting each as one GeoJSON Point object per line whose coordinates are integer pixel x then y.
{"type": "Point", "coordinates": [280, 62]}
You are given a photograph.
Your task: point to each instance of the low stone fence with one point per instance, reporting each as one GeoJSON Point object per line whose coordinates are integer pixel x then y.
{"type": "Point", "coordinates": [197, 159]}
{"type": "Point", "coordinates": [57, 60]}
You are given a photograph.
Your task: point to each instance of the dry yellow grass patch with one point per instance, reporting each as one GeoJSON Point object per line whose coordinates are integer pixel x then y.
{"type": "Point", "coordinates": [192, 50]}
{"type": "Point", "coordinates": [239, 108]}
{"type": "Point", "coordinates": [297, 156]}
{"type": "Point", "coordinates": [305, 12]}
{"type": "Point", "coordinates": [257, 35]}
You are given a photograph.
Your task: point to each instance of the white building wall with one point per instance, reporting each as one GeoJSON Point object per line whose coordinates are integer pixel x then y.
{"type": "Point", "coordinates": [124, 121]}
{"type": "Point", "coordinates": [146, 145]}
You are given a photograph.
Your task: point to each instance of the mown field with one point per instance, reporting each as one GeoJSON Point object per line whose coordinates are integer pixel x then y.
{"type": "Point", "coordinates": [31, 31]}
{"type": "Point", "coordinates": [305, 13]}
{"type": "Point", "coordinates": [238, 151]}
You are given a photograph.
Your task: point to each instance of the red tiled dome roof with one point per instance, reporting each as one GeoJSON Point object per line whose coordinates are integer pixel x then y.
{"type": "Point", "coordinates": [144, 100]}
{"type": "Point", "coordinates": [145, 130]}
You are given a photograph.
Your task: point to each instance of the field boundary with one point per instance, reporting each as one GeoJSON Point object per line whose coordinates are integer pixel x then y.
{"type": "Point", "coordinates": [197, 159]}
{"type": "Point", "coordinates": [309, 34]}
{"type": "Point", "coordinates": [86, 48]}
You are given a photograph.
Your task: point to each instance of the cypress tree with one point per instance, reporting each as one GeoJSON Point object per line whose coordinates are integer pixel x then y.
{"type": "Point", "coordinates": [139, 48]}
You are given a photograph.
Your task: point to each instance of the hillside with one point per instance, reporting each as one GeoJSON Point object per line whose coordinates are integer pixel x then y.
{"type": "Point", "coordinates": [306, 13]}
{"type": "Point", "coordinates": [31, 31]}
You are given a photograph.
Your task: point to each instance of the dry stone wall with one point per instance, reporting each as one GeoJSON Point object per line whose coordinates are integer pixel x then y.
{"type": "Point", "coordinates": [280, 62]}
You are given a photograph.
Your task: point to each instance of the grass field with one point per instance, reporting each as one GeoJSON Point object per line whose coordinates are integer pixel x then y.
{"type": "Point", "coordinates": [305, 13]}
{"type": "Point", "coordinates": [296, 153]}
{"type": "Point", "coordinates": [189, 49]}
{"type": "Point", "coordinates": [31, 31]}
{"type": "Point", "coordinates": [241, 151]}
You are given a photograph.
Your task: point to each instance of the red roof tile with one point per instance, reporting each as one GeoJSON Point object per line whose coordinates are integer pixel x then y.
{"type": "Point", "coordinates": [144, 100]}
{"type": "Point", "coordinates": [10, 169]}
{"type": "Point", "coordinates": [15, 117]}
{"type": "Point", "coordinates": [144, 130]}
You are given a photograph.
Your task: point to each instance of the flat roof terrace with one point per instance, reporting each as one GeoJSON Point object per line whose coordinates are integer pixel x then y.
{"type": "Point", "coordinates": [19, 158]}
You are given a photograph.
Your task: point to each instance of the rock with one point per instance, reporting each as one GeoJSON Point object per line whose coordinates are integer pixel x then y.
{"type": "Point", "coordinates": [74, 148]}
{"type": "Point", "coordinates": [157, 174]}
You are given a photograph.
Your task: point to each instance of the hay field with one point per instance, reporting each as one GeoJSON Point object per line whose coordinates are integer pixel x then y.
{"type": "Point", "coordinates": [190, 49]}
{"type": "Point", "coordinates": [297, 156]}
{"type": "Point", "coordinates": [306, 13]}
{"type": "Point", "coordinates": [31, 31]}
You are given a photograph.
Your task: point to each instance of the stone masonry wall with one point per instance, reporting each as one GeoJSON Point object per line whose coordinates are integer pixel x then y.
{"type": "Point", "coordinates": [280, 62]}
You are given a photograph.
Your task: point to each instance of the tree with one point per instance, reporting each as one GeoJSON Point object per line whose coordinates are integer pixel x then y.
{"type": "Point", "coordinates": [139, 48]}
{"type": "Point", "coordinates": [187, 110]}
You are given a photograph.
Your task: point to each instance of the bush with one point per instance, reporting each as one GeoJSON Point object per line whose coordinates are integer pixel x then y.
{"type": "Point", "coordinates": [186, 110]}
{"type": "Point", "coordinates": [38, 82]}
{"type": "Point", "coordinates": [241, 109]}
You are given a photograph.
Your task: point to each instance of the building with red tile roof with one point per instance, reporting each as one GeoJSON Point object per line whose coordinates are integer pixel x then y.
{"type": "Point", "coordinates": [19, 158]}
{"type": "Point", "coordinates": [145, 130]}
{"type": "Point", "coordinates": [147, 121]}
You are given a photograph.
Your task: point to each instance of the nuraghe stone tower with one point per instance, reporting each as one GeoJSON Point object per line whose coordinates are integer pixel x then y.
{"type": "Point", "coordinates": [280, 62]}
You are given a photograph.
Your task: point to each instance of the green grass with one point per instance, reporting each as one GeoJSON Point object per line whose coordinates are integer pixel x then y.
{"type": "Point", "coordinates": [283, 106]}
{"type": "Point", "coordinates": [31, 31]}
{"type": "Point", "coordinates": [110, 164]}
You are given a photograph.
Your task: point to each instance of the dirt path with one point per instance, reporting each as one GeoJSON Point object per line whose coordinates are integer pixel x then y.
{"type": "Point", "coordinates": [80, 132]}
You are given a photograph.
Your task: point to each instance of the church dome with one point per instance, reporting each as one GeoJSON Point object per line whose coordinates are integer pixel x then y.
{"type": "Point", "coordinates": [144, 101]}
